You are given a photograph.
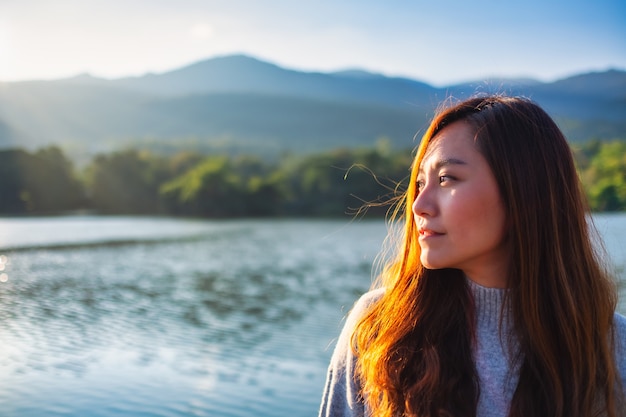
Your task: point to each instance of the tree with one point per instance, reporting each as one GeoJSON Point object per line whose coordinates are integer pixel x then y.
{"type": "Point", "coordinates": [605, 177]}
{"type": "Point", "coordinates": [127, 182]}
{"type": "Point", "coordinates": [211, 189]}
{"type": "Point", "coordinates": [38, 183]}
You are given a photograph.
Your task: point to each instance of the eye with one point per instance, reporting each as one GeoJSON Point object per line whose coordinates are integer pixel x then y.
{"type": "Point", "coordinates": [420, 185]}
{"type": "Point", "coordinates": [444, 179]}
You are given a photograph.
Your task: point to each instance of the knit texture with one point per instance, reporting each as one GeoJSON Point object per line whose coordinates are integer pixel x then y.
{"type": "Point", "coordinates": [492, 354]}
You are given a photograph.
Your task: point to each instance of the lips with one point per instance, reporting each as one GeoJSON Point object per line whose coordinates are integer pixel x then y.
{"type": "Point", "coordinates": [424, 233]}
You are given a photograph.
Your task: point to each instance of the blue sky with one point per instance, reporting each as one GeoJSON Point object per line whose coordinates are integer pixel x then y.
{"type": "Point", "coordinates": [437, 41]}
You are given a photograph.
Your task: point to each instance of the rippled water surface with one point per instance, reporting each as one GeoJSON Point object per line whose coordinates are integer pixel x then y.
{"type": "Point", "coordinates": [121, 316]}
{"type": "Point", "coordinates": [157, 317]}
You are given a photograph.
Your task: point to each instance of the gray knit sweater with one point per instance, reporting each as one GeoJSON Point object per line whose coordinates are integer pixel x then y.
{"type": "Point", "coordinates": [497, 380]}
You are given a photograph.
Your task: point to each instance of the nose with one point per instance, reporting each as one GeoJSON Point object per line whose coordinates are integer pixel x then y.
{"type": "Point", "coordinates": [424, 204]}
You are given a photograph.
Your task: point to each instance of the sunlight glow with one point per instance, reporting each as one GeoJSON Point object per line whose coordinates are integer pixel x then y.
{"type": "Point", "coordinates": [201, 31]}
{"type": "Point", "coordinates": [49, 40]}
{"type": "Point", "coordinates": [6, 53]}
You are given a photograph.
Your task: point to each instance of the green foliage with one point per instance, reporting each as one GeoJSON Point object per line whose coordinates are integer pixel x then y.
{"type": "Point", "coordinates": [344, 181]}
{"type": "Point", "coordinates": [334, 183]}
{"type": "Point", "coordinates": [210, 189]}
{"type": "Point", "coordinates": [126, 182]}
{"type": "Point", "coordinates": [37, 183]}
{"type": "Point", "coordinates": [603, 173]}
{"type": "Point", "coordinates": [223, 187]}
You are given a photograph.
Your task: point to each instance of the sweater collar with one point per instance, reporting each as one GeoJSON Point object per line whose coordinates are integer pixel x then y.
{"type": "Point", "coordinates": [487, 302]}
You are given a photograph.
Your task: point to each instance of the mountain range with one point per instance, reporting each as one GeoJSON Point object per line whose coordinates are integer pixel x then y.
{"type": "Point", "coordinates": [238, 103]}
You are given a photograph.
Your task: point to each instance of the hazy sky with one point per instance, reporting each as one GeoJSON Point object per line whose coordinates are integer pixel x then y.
{"type": "Point", "coordinates": [437, 41]}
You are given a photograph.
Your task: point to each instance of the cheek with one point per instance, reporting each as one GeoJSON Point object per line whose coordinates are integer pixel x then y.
{"type": "Point", "coordinates": [492, 223]}
{"type": "Point", "coordinates": [478, 214]}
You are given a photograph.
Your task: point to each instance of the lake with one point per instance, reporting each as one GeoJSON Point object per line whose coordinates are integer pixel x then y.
{"type": "Point", "coordinates": [125, 316]}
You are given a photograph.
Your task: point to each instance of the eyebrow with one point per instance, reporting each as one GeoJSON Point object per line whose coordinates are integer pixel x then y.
{"type": "Point", "coordinates": [446, 162]}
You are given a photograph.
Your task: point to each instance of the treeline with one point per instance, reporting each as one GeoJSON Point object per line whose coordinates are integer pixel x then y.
{"type": "Point", "coordinates": [190, 184]}
{"type": "Point", "coordinates": [602, 167]}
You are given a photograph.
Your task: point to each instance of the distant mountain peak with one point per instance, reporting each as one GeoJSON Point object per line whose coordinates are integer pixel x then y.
{"type": "Point", "coordinates": [82, 76]}
{"type": "Point", "coordinates": [236, 60]}
{"type": "Point", "coordinates": [254, 102]}
{"type": "Point", "coordinates": [501, 82]}
{"type": "Point", "coordinates": [357, 73]}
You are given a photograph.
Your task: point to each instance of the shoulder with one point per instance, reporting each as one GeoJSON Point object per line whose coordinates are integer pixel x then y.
{"type": "Point", "coordinates": [365, 302]}
{"type": "Point", "coordinates": [343, 349]}
{"type": "Point", "coordinates": [358, 311]}
{"type": "Point", "coordinates": [342, 392]}
{"type": "Point", "coordinates": [620, 321]}
{"type": "Point", "coordinates": [619, 334]}
{"type": "Point", "coordinates": [619, 327]}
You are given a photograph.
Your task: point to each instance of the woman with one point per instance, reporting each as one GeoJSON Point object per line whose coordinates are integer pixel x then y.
{"type": "Point", "coordinates": [496, 303]}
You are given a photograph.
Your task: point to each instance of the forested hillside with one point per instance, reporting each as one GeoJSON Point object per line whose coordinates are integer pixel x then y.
{"type": "Point", "coordinates": [235, 136]}
{"type": "Point", "coordinates": [341, 182]}
{"type": "Point", "coordinates": [240, 105]}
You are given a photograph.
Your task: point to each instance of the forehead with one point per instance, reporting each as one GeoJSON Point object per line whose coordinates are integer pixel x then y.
{"type": "Point", "coordinates": [454, 141]}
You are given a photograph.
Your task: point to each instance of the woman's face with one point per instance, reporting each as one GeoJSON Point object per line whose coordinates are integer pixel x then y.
{"type": "Point", "coordinates": [458, 209]}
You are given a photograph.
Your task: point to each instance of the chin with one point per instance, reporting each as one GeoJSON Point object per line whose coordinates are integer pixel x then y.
{"type": "Point", "coordinates": [433, 264]}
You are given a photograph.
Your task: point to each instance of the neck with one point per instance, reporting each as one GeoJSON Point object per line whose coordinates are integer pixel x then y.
{"type": "Point", "coordinates": [488, 302]}
{"type": "Point", "coordinates": [494, 277]}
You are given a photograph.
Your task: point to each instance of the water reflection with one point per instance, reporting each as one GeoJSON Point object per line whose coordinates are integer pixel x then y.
{"type": "Point", "coordinates": [4, 261]}
{"type": "Point", "coordinates": [234, 321]}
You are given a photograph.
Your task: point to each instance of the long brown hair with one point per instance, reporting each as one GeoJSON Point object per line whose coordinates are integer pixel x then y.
{"type": "Point", "coordinates": [414, 346]}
